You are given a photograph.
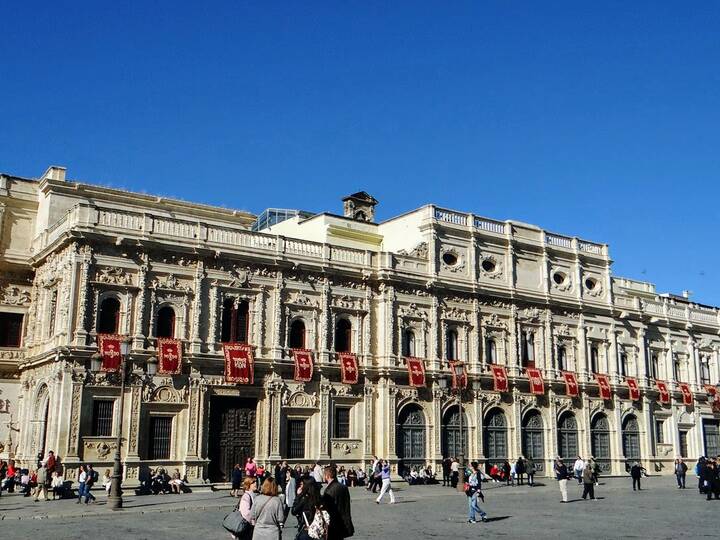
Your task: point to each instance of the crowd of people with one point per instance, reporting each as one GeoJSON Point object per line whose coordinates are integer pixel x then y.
{"type": "Point", "coordinates": [707, 470]}
{"type": "Point", "coordinates": [268, 499]}
{"type": "Point", "coordinates": [39, 482]}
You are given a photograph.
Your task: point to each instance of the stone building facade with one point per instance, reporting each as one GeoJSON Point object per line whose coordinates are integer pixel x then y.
{"type": "Point", "coordinates": [78, 260]}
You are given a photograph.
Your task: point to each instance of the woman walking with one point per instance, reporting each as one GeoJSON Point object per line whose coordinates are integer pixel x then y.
{"type": "Point", "coordinates": [386, 487]}
{"type": "Point", "coordinates": [268, 511]}
{"type": "Point", "coordinates": [245, 506]}
{"type": "Point", "coordinates": [236, 479]}
{"type": "Point", "coordinates": [474, 493]}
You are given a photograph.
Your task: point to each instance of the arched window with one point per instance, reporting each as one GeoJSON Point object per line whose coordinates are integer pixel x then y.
{"type": "Point", "coordinates": [594, 359]}
{"type": "Point", "coordinates": [297, 334]}
{"type": "Point", "coordinates": [235, 321]}
{"type": "Point", "coordinates": [165, 324]}
{"type": "Point", "coordinates": [567, 436]}
{"type": "Point", "coordinates": [600, 440]}
{"type": "Point", "coordinates": [528, 349]}
{"type": "Point", "coordinates": [631, 438]}
{"type": "Point", "coordinates": [562, 357]}
{"type": "Point", "coordinates": [408, 342]}
{"type": "Point", "coordinates": [109, 316]}
{"type": "Point", "coordinates": [411, 426]}
{"type": "Point", "coordinates": [495, 438]}
{"type": "Point", "coordinates": [490, 351]}
{"type": "Point", "coordinates": [532, 438]}
{"type": "Point", "coordinates": [452, 445]}
{"type": "Point", "coordinates": [343, 336]}
{"type": "Point", "coordinates": [451, 344]}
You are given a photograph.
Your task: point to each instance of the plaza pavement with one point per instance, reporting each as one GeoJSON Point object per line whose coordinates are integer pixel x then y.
{"type": "Point", "coordinates": [659, 511]}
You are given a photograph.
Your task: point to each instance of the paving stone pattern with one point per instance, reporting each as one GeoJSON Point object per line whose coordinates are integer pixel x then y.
{"type": "Point", "coordinates": [659, 511]}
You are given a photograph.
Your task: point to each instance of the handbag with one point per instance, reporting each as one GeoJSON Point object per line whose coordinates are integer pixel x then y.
{"type": "Point", "coordinates": [235, 523]}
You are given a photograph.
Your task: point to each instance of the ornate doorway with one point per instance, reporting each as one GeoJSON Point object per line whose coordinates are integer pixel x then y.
{"type": "Point", "coordinates": [451, 444]}
{"type": "Point", "coordinates": [495, 438]}
{"type": "Point", "coordinates": [232, 435]}
{"type": "Point", "coordinates": [532, 439]}
{"type": "Point", "coordinates": [411, 428]}
{"type": "Point", "coordinates": [631, 439]}
{"type": "Point", "coordinates": [600, 441]}
{"type": "Point", "coordinates": [567, 437]}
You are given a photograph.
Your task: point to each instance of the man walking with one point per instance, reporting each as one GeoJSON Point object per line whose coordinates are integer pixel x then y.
{"type": "Point", "coordinates": [561, 474]}
{"type": "Point", "coordinates": [636, 473]}
{"type": "Point", "coordinates": [531, 470]}
{"type": "Point", "coordinates": [680, 472]}
{"type": "Point", "coordinates": [386, 486]}
{"type": "Point", "coordinates": [336, 500]}
{"type": "Point", "coordinates": [89, 482]}
{"type": "Point", "coordinates": [41, 483]}
{"type": "Point", "coordinates": [578, 468]}
{"type": "Point", "coordinates": [454, 473]}
{"type": "Point", "coordinates": [446, 471]}
{"type": "Point", "coordinates": [588, 482]}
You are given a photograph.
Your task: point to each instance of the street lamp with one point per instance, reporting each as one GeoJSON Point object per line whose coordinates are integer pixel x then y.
{"type": "Point", "coordinates": [114, 500]}
{"type": "Point", "coordinates": [459, 372]}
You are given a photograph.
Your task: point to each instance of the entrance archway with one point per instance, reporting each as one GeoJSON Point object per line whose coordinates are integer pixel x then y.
{"type": "Point", "coordinates": [495, 438]}
{"type": "Point", "coordinates": [567, 447]}
{"type": "Point", "coordinates": [451, 442]}
{"type": "Point", "coordinates": [411, 428]}
{"type": "Point", "coordinates": [532, 439]}
{"type": "Point", "coordinates": [631, 438]}
{"type": "Point", "coordinates": [600, 441]}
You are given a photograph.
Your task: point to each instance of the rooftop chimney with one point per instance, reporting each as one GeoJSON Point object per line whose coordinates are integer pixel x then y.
{"type": "Point", "coordinates": [360, 206]}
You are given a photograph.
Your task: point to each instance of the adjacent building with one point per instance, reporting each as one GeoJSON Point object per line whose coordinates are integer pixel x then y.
{"type": "Point", "coordinates": [78, 261]}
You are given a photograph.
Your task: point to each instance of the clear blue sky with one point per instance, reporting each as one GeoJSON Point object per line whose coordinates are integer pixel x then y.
{"type": "Point", "coordinates": [595, 119]}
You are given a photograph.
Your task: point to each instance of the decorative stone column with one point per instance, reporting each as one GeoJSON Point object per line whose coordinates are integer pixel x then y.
{"type": "Point", "coordinates": [141, 323]}
{"type": "Point", "coordinates": [323, 352]}
{"type": "Point", "coordinates": [73, 443]}
{"type": "Point", "coordinates": [277, 330]}
{"type": "Point", "coordinates": [369, 434]}
{"type": "Point", "coordinates": [199, 286]}
{"type": "Point", "coordinates": [325, 388]}
{"type": "Point", "coordinates": [273, 391]}
{"type": "Point", "coordinates": [435, 424]}
{"type": "Point", "coordinates": [82, 325]}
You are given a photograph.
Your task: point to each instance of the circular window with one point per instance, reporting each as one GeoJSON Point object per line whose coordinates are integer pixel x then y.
{"type": "Point", "coordinates": [450, 258]}
{"type": "Point", "coordinates": [559, 278]}
{"type": "Point", "coordinates": [591, 284]}
{"type": "Point", "coordinates": [488, 265]}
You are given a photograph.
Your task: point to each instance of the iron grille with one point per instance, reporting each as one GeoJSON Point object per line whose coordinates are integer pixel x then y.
{"type": "Point", "coordinates": [160, 435]}
{"type": "Point", "coordinates": [296, 439]}
{"type": "Point", "coordinates": [102, 418]}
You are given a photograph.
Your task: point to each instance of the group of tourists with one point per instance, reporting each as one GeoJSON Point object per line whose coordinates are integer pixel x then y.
{"type": "Point", "coordinates": [39, 482]}
{"type": "Point", "coordinates": [267, 502]}
{"type": "Point", "coordinates": [707, 471]}
{"type": "Point", "coordinates": [587, 474]}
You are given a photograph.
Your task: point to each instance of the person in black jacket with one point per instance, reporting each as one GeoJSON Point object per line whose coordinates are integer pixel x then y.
{"type": "Point", "coordinates": [336, 501]}
{"type": "Point", "coordinates": [636, 473]}
{"type": "Point", "coordinates": [710, 479]}
{"type": "Point", "coordinates": [446, 471]}
{"type": "Point", "coordinates": [305, 504]}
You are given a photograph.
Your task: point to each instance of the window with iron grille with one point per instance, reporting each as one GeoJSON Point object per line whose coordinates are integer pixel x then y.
{"type": "Point", "coordinates": [683, 436]}
{"type": "Point", "coordinates": [160, 436]}
{"type": "Point", "coordinates": [342, 423]}
{"type": "Point", "coordinates": [296, 439]}
{"type": "Point", "coordinates": [659, 432]}
{"type": "Point", "coordinates": [102, 418]}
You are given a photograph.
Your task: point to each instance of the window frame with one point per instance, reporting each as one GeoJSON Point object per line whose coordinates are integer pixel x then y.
{"type": "Point", "coordinates": [151, 447]}
{"type": "Point", "coordinates": [17, 326]}
{"type": "Point", "coordinates": [337, 425]}
{"type": "Point", "coordinates": [95, 425]}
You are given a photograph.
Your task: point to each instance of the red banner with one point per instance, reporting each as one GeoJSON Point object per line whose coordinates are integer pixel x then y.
{"type": "Point", "coordinates": [348, 368]}
{"type": "Point", "coordinates": [303, 365]}
{"type": "Point", "coordinates": [686, 393]}
{"type": "Point", "coordinates": [463, 382]}
{"type": "Point", "coordinates": [239, 365]}
{"type": "Point", "coordinates": [604, 385]}
{"type": "Point", "coordinates": [500, 379]}
{"type": "Point", "coordinates": [416, 371]}
{"type": "Point", "coordinates": [109, 345]}
{"type": "Point", "coordinates": [571, 385]}
{"type": "Point", "coordinates": [169, 356]}
{"type": "Point", "coordinates": [713, 396]}
{"type": "Point", "coordinates": [664, 394]}
{"type": "Point", "coordinates": [633, 388]}
{"type": "Point", "coordinates": [536, 381]}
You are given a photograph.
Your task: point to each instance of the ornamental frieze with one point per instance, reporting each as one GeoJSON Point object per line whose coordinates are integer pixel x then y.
{"type": "Point", "coordinates": [113, 276]}
{"type": "Point", "coordinates": [14, 295]}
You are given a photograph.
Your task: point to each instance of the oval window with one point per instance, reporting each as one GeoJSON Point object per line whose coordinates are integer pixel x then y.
{"type": "Point", "coordinates": [450, 258]}
{"type": "Point", "coordinates": [590, 284]}
{"type": "Point", "coordinates": [488, 265]}
{"type": "Point", "coordinates": [559, 278]}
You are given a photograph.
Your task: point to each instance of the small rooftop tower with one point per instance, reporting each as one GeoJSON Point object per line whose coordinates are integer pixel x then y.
{"type": "Point", "coordinates": [360, 206]}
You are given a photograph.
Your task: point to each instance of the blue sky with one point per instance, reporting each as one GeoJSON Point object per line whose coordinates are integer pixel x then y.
{"type": "Point", "coordinates": [595, 119]}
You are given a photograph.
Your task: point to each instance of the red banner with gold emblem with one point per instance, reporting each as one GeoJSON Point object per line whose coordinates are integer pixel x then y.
{"type": "Point", "coordinates": [239, 364]}
{"type": "Point", "coordinates": [500, 380]}
{"type": "Point", "coordinates": [571, 385]}
{"type": "Point", "coordinates": [713, 397]}
{"type": "Point", "coordinates": [416, 371]}
{"type": "Point", "coordinates": [604, 385]}
{"type": "Point", "coordinates": [686, 393]}
{"type": "Point", "coordinates": [348, 368]}
{"type": "Point", "coordinates": [303, 365]}
{"type": "Point", "coordinates": [109, 346]}
{"type": "Point", "coordinates": [462, 382]}
{"type": "Point", "coordinates": [169, 356]}
{"type": "Point", "coordinates": [536, 381]}
{"type": "Point", "coordinates": [633, 388]}
{"type": "Point", "coordinates": [664, 393]}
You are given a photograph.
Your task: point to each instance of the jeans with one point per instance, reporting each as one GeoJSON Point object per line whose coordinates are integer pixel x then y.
{"type": "Point", "coordinates": [386, 489]}
{"type": "Point", "coordinates": [474, 507]}
{"type": "Point", "coordinates": [636, 481]}
{"type": "Point", "coordinates": [531, 479]}
{"type": "Point", "coordinates": [88, 495]}
{"type": "Point", "coordinates": [81, 490]}
{"type": "Point", "coordinates": [563, 489]}
{"type": "Point", "coordinates": [681, 480]}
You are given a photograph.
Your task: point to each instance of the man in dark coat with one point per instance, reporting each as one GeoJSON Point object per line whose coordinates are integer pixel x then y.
{"type": "Point", "coordinates": [636, 473]}
{"type": "Point", "coordinates": [710, 480]}
{"type": "Point", "coordinates": [336, 500]}
{"type": "Point", "coordinates": [446, 463]}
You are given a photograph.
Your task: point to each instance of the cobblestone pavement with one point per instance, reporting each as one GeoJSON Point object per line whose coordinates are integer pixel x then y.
{"type": "Point", "coordinates": [659, 511]}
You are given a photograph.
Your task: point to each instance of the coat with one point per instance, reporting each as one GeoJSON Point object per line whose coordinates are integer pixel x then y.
{"type": "Point", "coordinates": [336, 499]}
{"type": "Point", "coordinates": [269, 514]}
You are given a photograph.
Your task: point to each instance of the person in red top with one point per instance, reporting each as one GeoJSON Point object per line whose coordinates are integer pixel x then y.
{"type": "Point", "coordinates": [250, 468]}
{"type": "Point", "coordinates": [50, 462]}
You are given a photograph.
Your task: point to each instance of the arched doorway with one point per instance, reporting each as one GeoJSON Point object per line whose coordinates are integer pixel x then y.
{"type": "Point", "coordinates": [567, 447]}
{"type": "Point", "coordinates": [532, 438]}
{"type": "Point", "coordinates": [451, 442]}
{"type": "Point", "coordinates": [600, 441]}
{"type": "Point", "coordinates": [495, 438]}
{"type": "Point", "coordinates": [411, 428]}
{"type": "Point", "coordinates": [631, 438]}
{"type": "Point", "coordinates": [41, 416]}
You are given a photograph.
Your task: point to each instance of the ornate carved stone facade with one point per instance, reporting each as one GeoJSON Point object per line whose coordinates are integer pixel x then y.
{"type": "Point", "coordinates": [432, 283]}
